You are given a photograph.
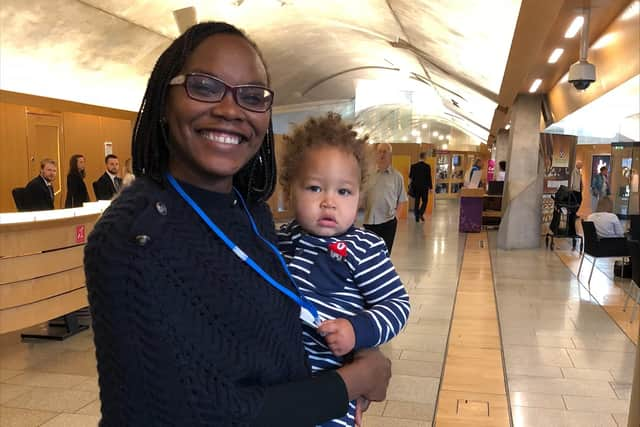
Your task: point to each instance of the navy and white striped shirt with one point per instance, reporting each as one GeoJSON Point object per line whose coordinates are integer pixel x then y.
{"type": "Point", "coordinates": [363, 287]}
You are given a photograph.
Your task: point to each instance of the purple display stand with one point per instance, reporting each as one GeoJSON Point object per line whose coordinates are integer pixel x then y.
{"type": "Point", "coordinates": [471, 210]}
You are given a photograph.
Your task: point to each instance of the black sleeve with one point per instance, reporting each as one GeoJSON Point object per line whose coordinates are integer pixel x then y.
{"type": "Point", "coordinates": [304, 403]}
{"type": "Point", "coordinates": [429, 183]}
{"type": "Point", "coordinates": [72, 191]}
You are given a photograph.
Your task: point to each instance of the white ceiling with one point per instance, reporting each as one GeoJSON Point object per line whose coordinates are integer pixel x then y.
{"type": "Point", "coordinates": [101, 51]}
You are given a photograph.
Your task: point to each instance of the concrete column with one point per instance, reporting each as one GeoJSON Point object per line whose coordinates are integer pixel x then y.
{"type": "Point", "coordinates": [502, 146]}
{"type": "Point", "coordinates": [520, 225]}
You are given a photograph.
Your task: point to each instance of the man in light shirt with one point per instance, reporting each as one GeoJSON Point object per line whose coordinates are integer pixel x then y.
{"type": "Point", "coordinates": [606, 223]}
{"type": "Point", "coordinates": [385, 195]}
{"type": "Point", "coordinates": [576, 182]}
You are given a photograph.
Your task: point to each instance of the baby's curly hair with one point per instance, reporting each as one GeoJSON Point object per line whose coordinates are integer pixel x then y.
{"type": "Point", "coordinates": [329, 131]}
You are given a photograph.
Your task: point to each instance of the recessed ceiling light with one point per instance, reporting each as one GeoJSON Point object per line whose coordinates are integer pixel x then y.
{"type": "Point", "coordinates": [536, 84]}
{"type": "Point", "coordinates": [555, 55]}
{"type": "Point", "coordinates": [435, 133]}
{"type": "Point", "coordinates": [424, 126]}
{"type": "Point", "coordinates": [574, 27]}
{"type": "Point", "coordinates": [404, 138]}
{"type": "Point", "coordinates": [441, 137]}
{"type": "Point", "coordinates": [414, 132]}
{"type": "Point", "coordinates": [508, 126]}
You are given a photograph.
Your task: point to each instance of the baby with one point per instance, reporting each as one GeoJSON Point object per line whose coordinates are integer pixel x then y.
{"type": "Point", "coordinates": [343, 270]}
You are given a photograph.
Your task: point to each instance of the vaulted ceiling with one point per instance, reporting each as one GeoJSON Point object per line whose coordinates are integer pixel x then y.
{"type": "Point", "coordinates": [101, 51]}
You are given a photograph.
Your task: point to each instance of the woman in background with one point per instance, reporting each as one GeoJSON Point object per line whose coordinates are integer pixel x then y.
{"type": "Point", "coordinates": [128, 173]}
{"type": "Point", "coordinates": [77, 192]}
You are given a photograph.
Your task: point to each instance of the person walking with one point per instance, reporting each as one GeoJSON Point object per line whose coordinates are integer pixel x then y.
{"type": "Point", "coordinates": [420, 176]}
{"type": "Point", "coordinates": [384, 197]}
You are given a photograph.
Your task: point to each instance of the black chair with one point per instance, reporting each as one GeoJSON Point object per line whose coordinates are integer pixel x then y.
{"type": "Point", "coordinates": [634, 232]}
{"type": "Point", "coordinates": [634, 283]}
{"type": "Point", "coordinates": [610, 247]}
{"type": "Point", "coordinates": [20, 199]}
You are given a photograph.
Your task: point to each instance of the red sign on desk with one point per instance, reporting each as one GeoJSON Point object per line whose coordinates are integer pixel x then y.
{"type": "Point", "coordinates": [80, 236]}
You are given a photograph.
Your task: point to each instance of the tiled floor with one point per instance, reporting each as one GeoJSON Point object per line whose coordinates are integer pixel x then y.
{"type": "Point", "coordinates": [567, 362]}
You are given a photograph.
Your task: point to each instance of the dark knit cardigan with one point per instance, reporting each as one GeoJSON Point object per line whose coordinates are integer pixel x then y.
{"type": "Point", "coordinates": [186, 334]}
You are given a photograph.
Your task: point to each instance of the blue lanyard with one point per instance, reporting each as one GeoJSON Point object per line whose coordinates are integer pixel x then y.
{"type": "Point", "coordinates": [308, 311]}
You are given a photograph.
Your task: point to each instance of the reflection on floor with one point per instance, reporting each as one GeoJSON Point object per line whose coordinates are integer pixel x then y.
{"type": "Point", "coordinates": [567, 362]}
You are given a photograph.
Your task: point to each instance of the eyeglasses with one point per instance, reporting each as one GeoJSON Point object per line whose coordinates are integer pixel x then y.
{"type": "Point", "coordinates": [206, 88]}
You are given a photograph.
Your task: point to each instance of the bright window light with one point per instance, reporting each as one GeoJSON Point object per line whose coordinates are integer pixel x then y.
{"type": "Point", "coordinates": [536, 84]}
{"type": "Point", "coordinates": [632, 11]}
{"type": "Point", "coordinates": [574, 27]}
{"type": "Point", "coordinates": [555, 55]}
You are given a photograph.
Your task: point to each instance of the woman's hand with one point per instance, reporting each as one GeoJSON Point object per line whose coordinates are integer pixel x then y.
{"type": "Point", "coordinates": [367, 376]}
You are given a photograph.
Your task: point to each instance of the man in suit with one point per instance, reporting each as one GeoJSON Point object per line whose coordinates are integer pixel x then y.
{"type": "Point", "coordinates": [39, 192]}
{"type": "Point", "coordinates": [420, 176]}
{"type": "Point", "coordinates": [109, 182]}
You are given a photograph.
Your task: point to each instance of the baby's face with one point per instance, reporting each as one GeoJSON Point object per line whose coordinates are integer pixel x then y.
{"type": "Point", "coordinates": [326, 190]}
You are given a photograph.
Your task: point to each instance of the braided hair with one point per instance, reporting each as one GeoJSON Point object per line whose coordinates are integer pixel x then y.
{"type": "Point", "coordinates": [150, 144]}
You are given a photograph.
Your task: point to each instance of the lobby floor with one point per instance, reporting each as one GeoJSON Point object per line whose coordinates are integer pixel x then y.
{"type": "Point", "coordinates": [567, 363]}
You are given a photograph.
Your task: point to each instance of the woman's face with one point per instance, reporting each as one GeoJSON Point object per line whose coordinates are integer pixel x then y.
{"type": "Point", "coordinates": [210, 142]}
{"type": "Point", "coordinates": [80, 163]}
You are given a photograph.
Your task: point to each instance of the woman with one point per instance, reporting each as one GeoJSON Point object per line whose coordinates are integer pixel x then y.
{"type": "Point", "coordinates": [76, 189]}
{"type": "Point", "coordinates": [128, 173]}
{"type": "Point", "coordinates": [475, 169]}
{"type": "Point", "coordinates": [186, 332]}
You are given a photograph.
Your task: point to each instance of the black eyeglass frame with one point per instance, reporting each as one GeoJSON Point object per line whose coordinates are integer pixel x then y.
{"type": "Point", "coordinates": [181, 80]}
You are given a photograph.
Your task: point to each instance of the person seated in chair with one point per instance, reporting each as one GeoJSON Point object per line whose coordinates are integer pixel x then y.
{"type": "Point", "coordinates": [607, 223]}
{"type": "Point", "coordinates": [109, 182]}
{"type": "Point", "coordinates": [39, 194]}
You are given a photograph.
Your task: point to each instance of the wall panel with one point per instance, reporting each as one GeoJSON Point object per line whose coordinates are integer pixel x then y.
{"type": "Point", "coordinates": [119, 132]}
{"type": "Point", "coordinates": [82, 136]}
{"type": "Point", "coordinates": [14, 162]}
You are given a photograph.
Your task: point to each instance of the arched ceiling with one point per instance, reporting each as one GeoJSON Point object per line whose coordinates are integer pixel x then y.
{"type": "Point", "coordinates": [102, 51]}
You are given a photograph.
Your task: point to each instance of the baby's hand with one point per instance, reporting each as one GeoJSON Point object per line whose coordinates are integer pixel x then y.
{"type": "Point", "coordinates": [339, 335]}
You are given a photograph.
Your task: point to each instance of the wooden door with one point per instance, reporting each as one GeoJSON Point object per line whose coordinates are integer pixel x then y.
{"type": "Point", "coordinates": [44, 140]}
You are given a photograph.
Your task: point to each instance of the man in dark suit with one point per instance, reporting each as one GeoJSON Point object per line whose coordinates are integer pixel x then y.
{"type": "Point", "coordinates": [39, 192]}
{"type": "Point", "coordinates": [109, 182]}
{"type": "Point", "coordinates": [420, 176]}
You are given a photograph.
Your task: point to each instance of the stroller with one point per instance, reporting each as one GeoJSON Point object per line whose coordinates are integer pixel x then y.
{"type": "Point", "coordinates": [563, 222]}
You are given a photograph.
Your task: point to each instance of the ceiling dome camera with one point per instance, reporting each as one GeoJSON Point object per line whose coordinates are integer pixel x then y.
{"type": "Point", "coordinates": [582, 74]}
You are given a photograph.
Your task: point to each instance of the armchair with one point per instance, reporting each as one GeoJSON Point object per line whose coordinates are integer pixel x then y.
{"type": "Point", "coordinates": [596, 247]}
{"type": "Point", "coordinates": [634, 249]}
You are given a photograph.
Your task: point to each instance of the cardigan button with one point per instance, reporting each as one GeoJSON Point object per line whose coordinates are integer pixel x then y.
{"type": "Point", "coordinates": [161, 208]}
{"type": "Point", "coordinates": [142, 239]}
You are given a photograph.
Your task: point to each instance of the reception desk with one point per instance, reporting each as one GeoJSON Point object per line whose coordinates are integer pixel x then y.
{"type": "Point", "coordinates": [41, 264]}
